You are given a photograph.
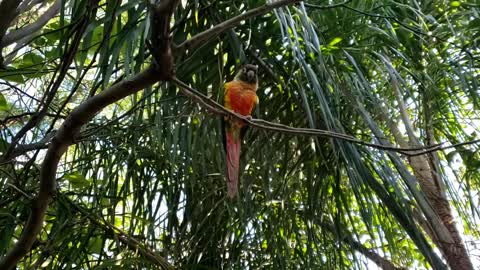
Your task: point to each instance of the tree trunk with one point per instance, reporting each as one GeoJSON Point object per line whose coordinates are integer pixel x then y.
{"type": "Point", "coordinates": [455, 253]}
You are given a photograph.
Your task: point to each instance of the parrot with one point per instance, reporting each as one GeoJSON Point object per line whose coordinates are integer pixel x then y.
{"type": "Point", "coordinates": [240, 97]}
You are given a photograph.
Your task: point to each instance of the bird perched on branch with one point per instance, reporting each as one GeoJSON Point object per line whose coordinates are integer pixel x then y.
{"type": "Point", "coordinates": [240, 97]}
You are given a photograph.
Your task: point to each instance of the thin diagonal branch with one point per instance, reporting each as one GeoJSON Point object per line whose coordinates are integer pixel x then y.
{"type": "Point", "coordinates": [347, 238]}
{"type": "Point", "coordinates": [63, 138]}
{"type": "Point", "coordinates": [24, 148]}
{"type": "Point", "coordinates": [216, 108]}
{"type": "Point", "coordinates": [16, 118]}
{"type": "Point", "coordinates": [124, 237]}
{"type": "Point", "coordinates": [9, 12]}
{"type": "Point", "coordinates": [213, 32]}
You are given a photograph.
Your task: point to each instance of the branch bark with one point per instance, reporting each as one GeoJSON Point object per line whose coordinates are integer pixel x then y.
{"type": "Point", "coordinates": [454, 249]}
{"type": "Point", "coordinates": [28, 4]}
{"type": "Point", "coordinates": [9, 12]}
{"type": "Point", "coordinates": [28, 30]}
{"type": "Point", "coordinates": [439, 229]}
{"type": "Point", "coordinates": [24, 148]}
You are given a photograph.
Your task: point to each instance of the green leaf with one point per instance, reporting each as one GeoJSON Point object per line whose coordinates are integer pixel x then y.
{"type": "Point", "coordinates": [32, 59]}
{"type": "Point", "coordinates": [96, 245]}
{"type": "Point", "coordinates": [160, 156]}
{"type": "Point", "coordinates": [12, 76]}
{"type": "Point", "coordinates": [52, 33]}
{"type": "Point", "coordinates": [455, 3]}
{"type": "Point", "coordinates": [3, 103]}
{"type": "Point", "coordinates": [334, 41]}
{"type": "Point", "coordinates": [6, 232]}
{"type": "Point", "coordinates": [77, 180]}
{"type": "Point", "coordinates": [3, 145]}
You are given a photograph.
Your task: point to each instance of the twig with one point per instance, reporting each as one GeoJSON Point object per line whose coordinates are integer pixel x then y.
{"type": "Point", "coordinates": [24, 148]}
{"type": "Point", "coordinates": [15, 118]}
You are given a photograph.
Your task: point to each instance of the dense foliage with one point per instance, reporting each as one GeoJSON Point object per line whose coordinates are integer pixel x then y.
{"type": "Point", "coordinates": [145, 182]}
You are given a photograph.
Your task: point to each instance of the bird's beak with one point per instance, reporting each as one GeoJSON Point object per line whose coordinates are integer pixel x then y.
{"type": "Point", "coordinates": [251, 76]}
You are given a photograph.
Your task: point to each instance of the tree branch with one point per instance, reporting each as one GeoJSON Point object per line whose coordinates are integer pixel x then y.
{"type": "Point", "coordinates": [410, 180]}
{"type": "Point", "coordinates": [28, 4]}
{"type": "Point", "coordinates": [17, 118]}
{"type": "Point", "coordinates": [24, 148]}
{"type": "Point", "coordinates": [372, 255]}
{"type": "Point", "coordinates": [26, 31]}
{"type": "Point", "coordinates": [213, 32]}
{"type": "Point", "coordinates": [80, 116]}
{"type": "Point", "coordinates": [63, 138]}
{"type": "Point", "coordinates": [9, 12]}
{"type": "Point", "coordinates": [216, 108]}
{"type": "Point", "coordinates": [56, 80]}
{"type": "Point", "coordinates": [346, 237]}
{"type": "Point", "coordinates": [124, 237]}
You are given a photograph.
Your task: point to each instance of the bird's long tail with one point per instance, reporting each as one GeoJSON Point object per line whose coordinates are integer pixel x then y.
{"type": "Point", "coordinates": [233, 162]}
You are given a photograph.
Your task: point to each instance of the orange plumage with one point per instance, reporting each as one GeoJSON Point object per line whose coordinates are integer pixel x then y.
{"type": "Point", "coordinates": [240, 97]}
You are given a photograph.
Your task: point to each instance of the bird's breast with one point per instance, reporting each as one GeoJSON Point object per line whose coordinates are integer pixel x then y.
{"type": "Point", "coordinates": [242, 101]}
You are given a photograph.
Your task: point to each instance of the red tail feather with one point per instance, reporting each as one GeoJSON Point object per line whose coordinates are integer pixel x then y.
{"type": "Point", "coordinates": [233, 163]}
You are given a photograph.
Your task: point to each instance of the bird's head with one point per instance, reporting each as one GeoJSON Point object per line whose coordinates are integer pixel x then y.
{"type": "Point", "coordinates": [248, 74]}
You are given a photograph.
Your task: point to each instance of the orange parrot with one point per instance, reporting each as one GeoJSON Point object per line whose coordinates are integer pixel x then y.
{"type": "Point", "coordinates": [240, 97]}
